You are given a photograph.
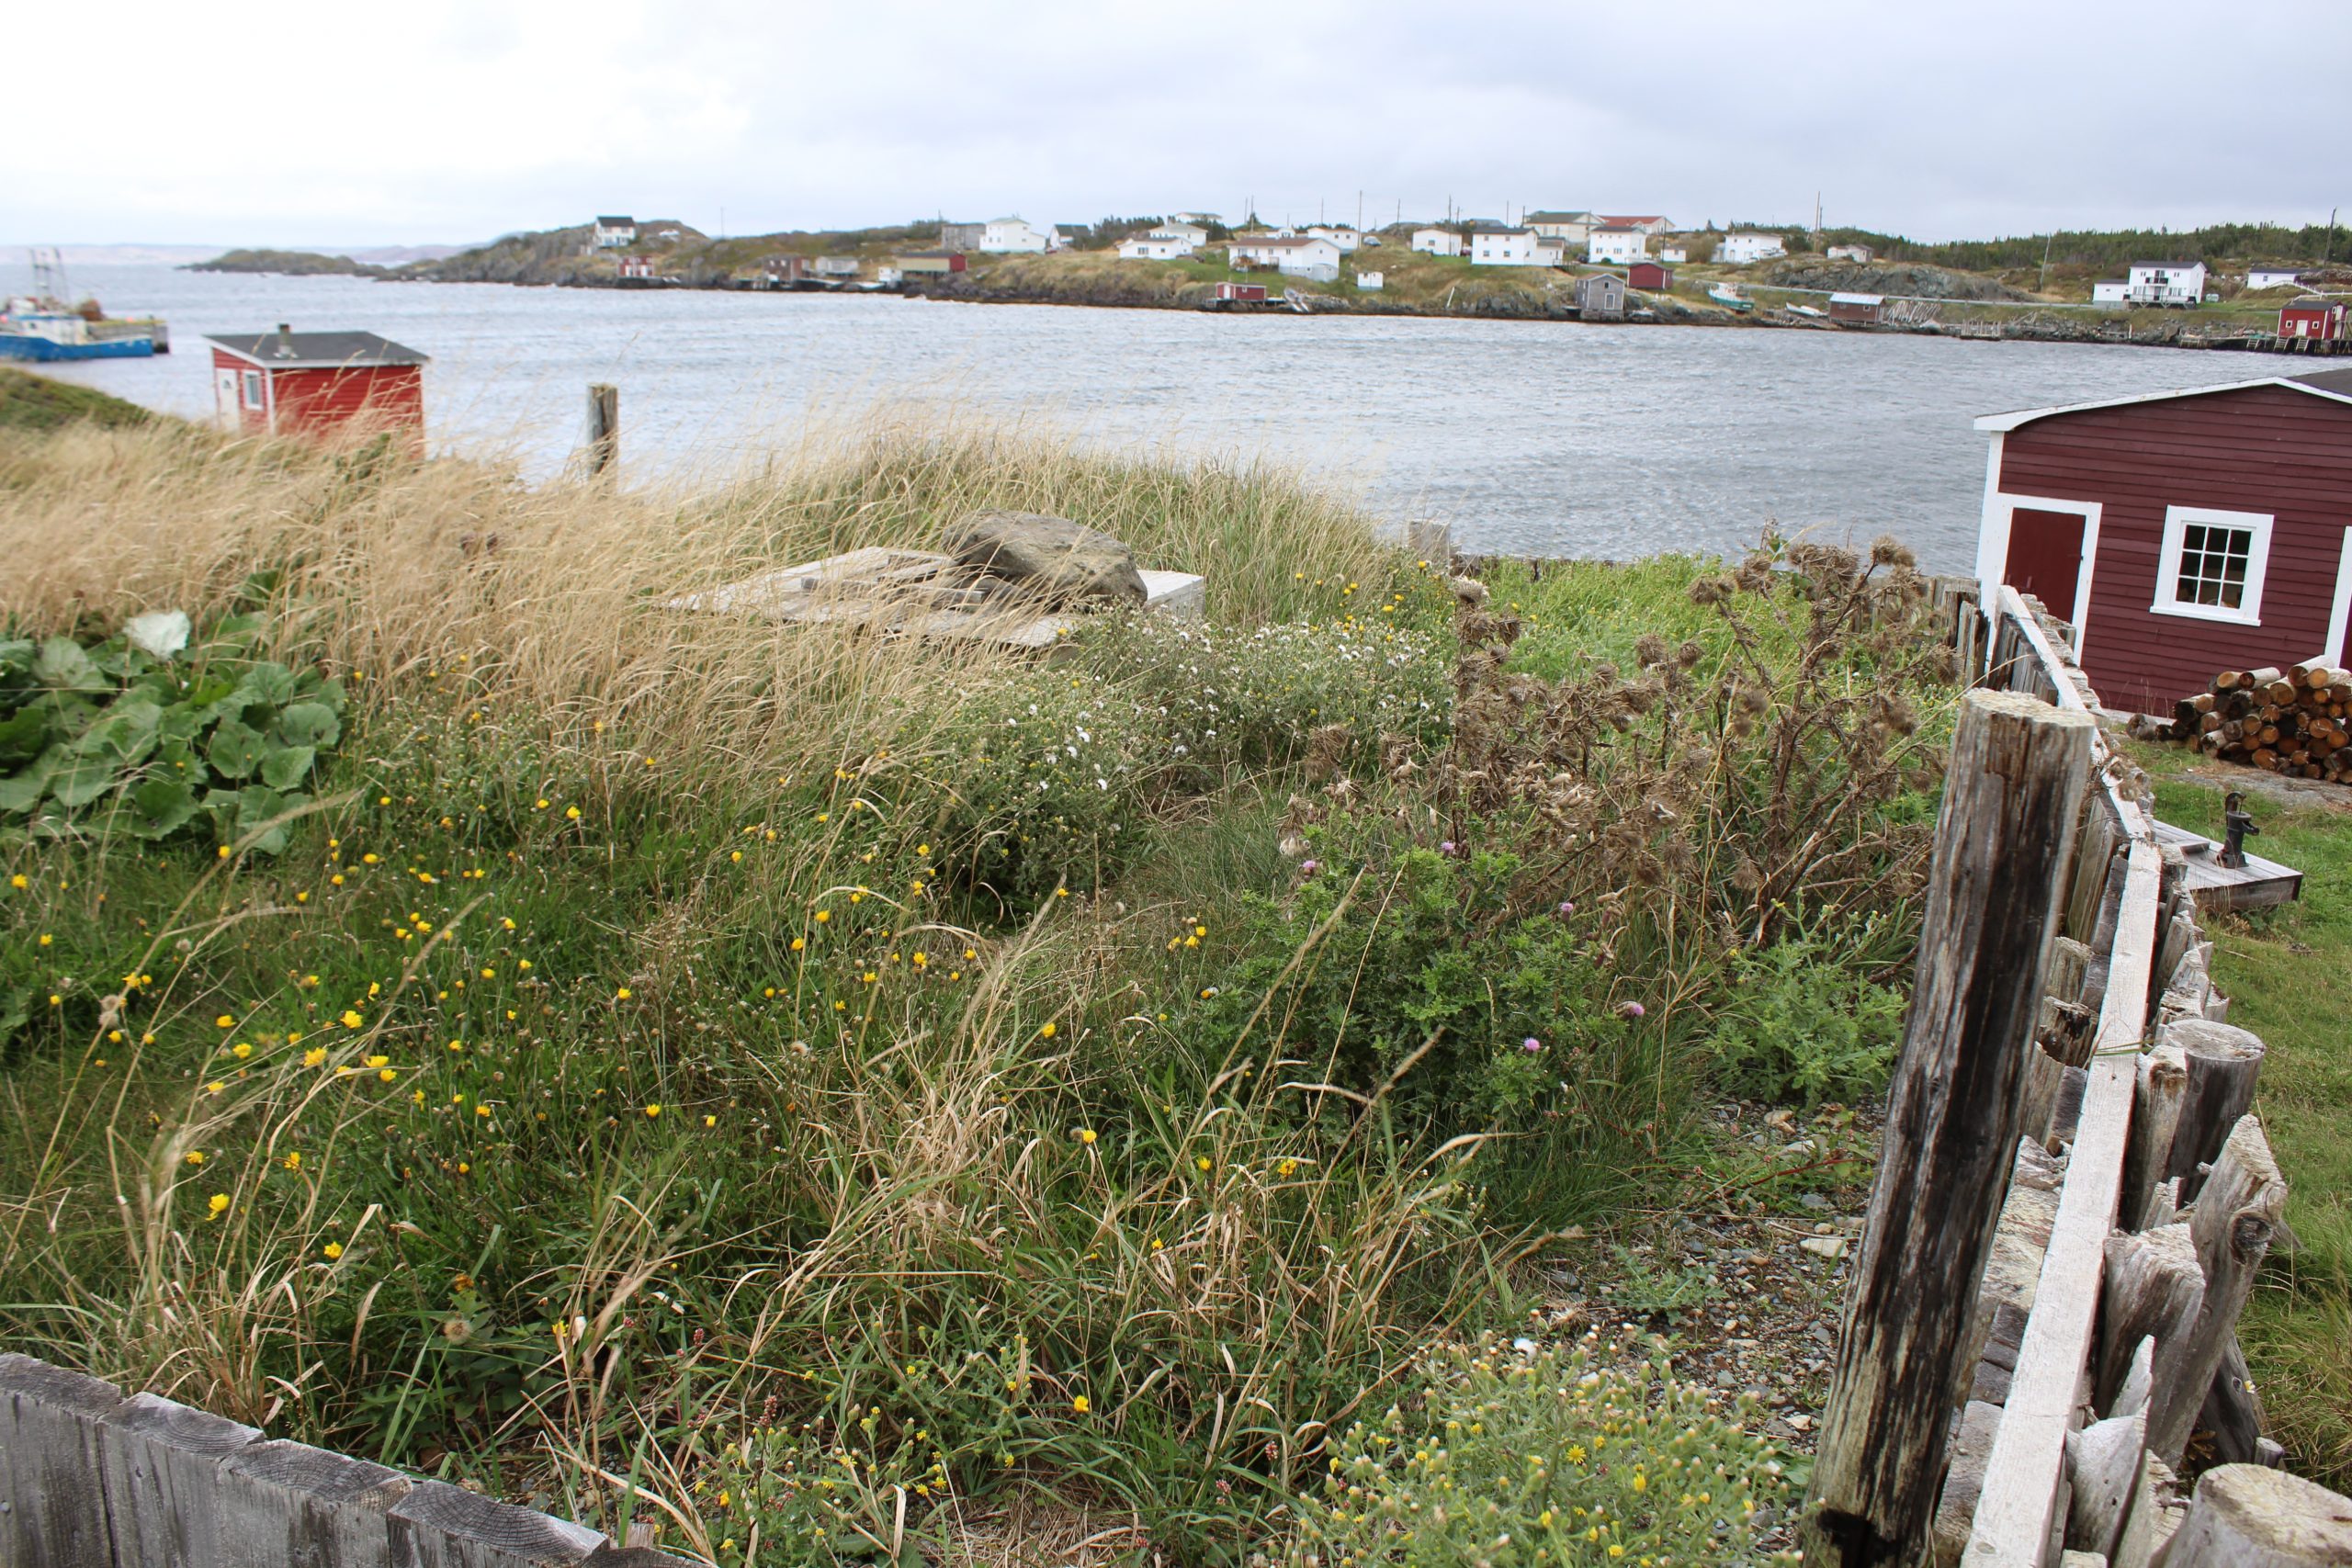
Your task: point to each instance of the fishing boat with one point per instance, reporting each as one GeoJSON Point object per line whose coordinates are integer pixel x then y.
{"type": "Point", "coordinates": [40, 326]}
{"type": "Point", "coordinates": [1728, 295]}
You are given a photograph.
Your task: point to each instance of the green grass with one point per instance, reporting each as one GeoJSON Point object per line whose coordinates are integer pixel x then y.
{"type": "Point", "coordinates": [2283, 972]}
{"type": "Point", "coordinates": [30, 401]}
{"type": "Point", "coordinates": [692, 1048]}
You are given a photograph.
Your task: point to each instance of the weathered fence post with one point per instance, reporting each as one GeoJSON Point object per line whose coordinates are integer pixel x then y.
{"type": "Point", "coordinates": [603, 427]}
{"type": "Point", "coordinates": [2003, 852]}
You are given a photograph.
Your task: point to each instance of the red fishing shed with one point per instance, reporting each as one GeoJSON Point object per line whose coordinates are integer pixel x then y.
{"type": "Point", "coordinates": [1649, 274]}
{"type": "Point", "coordinates": [317, 383]}
{"type": "Point", "coordinates": [2313, 318]}
{"type": "Point", "coordinates": [2182, 532]}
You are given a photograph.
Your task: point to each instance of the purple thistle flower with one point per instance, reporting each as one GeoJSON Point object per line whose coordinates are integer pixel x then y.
{"type": "Point", "coordinates": [1306, 867]}
{"type": "Point", "coordinates": [1629, 1009]}
{"type": "Point", "coordinates": [1446, 847]}
{"type": "Point", "coordinates": [1566, 909]}
{"type": "Point", "coordinates": [1530, 1044]}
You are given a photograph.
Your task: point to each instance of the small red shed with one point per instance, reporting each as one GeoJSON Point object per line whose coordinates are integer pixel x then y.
{"type": "Point", "coordinates": [2182, 532]}
{"type": "Point", "coordinates": [1649, 274]}
{"type": "Point", "coordinates": [316, 383]}
{"type": "Point", "coordinates": [2313, 318]}
{"type": "Point", "coordinates": [1241, 293]}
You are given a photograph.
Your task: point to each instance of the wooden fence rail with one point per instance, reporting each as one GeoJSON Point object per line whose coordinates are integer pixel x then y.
{"type": "Point", "coordinates": [90, 1479]}
{"type": "Point", "coordinates": [2126, 1231]}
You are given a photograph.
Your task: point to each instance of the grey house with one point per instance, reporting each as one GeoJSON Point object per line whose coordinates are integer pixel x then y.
{"type": "Point", "coordinates": [1601, 297]}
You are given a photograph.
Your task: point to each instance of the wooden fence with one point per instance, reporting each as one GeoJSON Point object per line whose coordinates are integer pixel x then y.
{"type": "Point", "coordinates": [90, 1479]}
{"type": "Point", "coordinates": [2073, 1201]}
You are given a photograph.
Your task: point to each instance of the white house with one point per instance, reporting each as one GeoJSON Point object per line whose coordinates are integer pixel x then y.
{"type": "Point", "coordinates": [1155, 247]}
{"type": "Point", "coordinates": [1340, 235]}
{"type": "Point", "coordinates": [2112, 293]}
{"type": "Point", "coordinates": [1435, 242]}
{"type": "Point", "coordinates": [1573, 226]}
{"type": "Point", "coordinates": [1850, 252]}
{"type": "Point", "coordinates": [1191, 233]}
{"type": "Point", "coordinates": [1673, 255]}
{"type": "Point", "coordinates": [1295, 255]}
{"type": "Point", "coordinates": [1738, 250]}
{"type": "Point", "coordinates": [1500, 246]}
{"type": "Point", "coordinates": [1371, 282]}
{"type": "Point", "coordinates": [1616, 245]}
{"type": "Point", "coordinates": [1002, 236]}
{"type": "Point", "coordinates": [2273, 277]}
{"type": "Point", "coordinates": [611, 233]}
{"type": "Point", "coordinates": [1647, 223]}
{"type": "Point", "coordinates": [2165, 283]}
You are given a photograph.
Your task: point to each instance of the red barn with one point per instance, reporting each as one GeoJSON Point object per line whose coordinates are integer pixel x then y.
{"type": "Point", "coordinates": [2182, 532]}
{"type": "Point", "coordinates": [1649, 274]}
{"type": "Point", "coordinates": [316, 383]}
{"type": "Point", "coordinates": [2313, 318]}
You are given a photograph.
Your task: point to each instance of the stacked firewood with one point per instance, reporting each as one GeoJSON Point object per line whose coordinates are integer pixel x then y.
{"type": "Point", "coordinates": [2284, 721]}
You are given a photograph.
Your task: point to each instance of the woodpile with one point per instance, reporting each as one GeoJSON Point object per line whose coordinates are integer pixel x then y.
{"type": "Point", "coordinates": [2296, 721]}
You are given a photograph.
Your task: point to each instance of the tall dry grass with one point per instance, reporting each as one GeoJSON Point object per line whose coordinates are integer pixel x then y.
{"type": "Point", "coordinates": [552, 596]}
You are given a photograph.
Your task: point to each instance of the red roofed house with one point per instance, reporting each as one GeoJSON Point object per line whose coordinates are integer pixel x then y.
{"type": "Point", "coordinates": [2313, 318]}
{"type": "Point", "coordinates": [2181, 533]}
{"type": "Point", "coordinates": [315, 383]}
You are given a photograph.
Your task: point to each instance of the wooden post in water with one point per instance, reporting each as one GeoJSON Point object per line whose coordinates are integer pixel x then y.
{"type": "Point", "coordinates": [603, 427]}
{"type": "Point", "coordinates": [2003, 852]}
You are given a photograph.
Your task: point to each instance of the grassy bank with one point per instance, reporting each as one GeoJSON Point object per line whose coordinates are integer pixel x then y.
{"type": "Point", "coordinates": [2275, 965]}
{"type": "Point", "coordinates": [823, 1092]}
{"type": "Point", "coordinates": [33, 402]}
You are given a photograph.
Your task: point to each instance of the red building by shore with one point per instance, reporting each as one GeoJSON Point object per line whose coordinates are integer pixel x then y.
{"type": "Point", "coordinates": [317, 383]}
{"type": "Point", "coordinates": [2182, 532]}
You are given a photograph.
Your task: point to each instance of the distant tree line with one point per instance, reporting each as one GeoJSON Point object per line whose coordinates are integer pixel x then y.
{"type": "Point", "coordinates": [2113, 249]}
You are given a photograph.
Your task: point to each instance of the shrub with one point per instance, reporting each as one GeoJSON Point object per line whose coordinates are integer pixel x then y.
{"type": "Point", "coordinates": [1506, 1456]}
{"type": "Point", "coordinates": [1804, 1020]}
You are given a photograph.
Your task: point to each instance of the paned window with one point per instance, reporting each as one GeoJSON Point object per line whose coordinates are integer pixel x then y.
{"type": "Point", "coordinates": [2212, 565]}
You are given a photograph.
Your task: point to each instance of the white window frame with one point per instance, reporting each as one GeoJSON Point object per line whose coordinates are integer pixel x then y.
{"type": "Point", "coordinates": [2257, 564]}
{"type": "Point", "coordinates": [256, 389]}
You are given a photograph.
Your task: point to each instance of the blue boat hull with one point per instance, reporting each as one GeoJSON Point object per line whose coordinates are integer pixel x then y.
{"type": "Point", "coordinates": [39, 348]}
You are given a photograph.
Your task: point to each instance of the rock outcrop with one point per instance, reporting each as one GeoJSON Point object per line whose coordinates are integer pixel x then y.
{"type": "Point", "coordinates": [1059, 561]}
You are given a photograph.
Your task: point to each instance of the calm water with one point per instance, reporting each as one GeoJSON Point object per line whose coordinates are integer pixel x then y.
{"type": "Point", "coordinates": [1530, 437]}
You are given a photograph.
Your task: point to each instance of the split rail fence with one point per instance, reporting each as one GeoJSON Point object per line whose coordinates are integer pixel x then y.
{"type": "Point", "coordinates": [2073, 1201]}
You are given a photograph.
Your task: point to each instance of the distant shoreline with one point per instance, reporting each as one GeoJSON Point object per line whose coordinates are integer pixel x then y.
{"type": "Point", "coordinates": [1989, 320]}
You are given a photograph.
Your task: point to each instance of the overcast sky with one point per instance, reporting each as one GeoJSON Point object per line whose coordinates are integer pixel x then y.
{"type": "Point", "coordinates": [303, 122]}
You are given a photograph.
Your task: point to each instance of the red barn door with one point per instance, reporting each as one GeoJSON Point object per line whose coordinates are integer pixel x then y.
{"type": "Point", "coordinates": [2046, 558]}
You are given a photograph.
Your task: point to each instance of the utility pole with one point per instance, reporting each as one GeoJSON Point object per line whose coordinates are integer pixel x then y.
{"type": "Point", "coordinates": [2327, 246]}
{"type": "Point", "coordinates": [2041, 284]}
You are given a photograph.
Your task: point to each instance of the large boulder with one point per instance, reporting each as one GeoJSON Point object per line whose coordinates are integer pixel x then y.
{"type": "Point", "coordinates": [1059, 561]}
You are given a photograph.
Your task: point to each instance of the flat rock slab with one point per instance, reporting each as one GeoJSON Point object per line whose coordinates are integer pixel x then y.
{"type": "Point", "coordinates": [925, 593]}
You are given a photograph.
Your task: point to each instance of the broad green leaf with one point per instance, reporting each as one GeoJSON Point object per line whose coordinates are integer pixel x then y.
{"type": "Point", "coordinates": [236, 750]}
{"type": "Point", "coordinates": [256, 805]}
{"type": "Point", "coordinates": [87, 779]}
{"type": "Point", "coordinates": [122, 736]}
{"type": "Point", "coordinates": [269, 681]}
{"type": "Point", "coordinates": [23, 790]}
{"type": "Point", "coordinates": [22, 735]}
{"type": "Point", "coordinates": [62, 664]}
{"type": "Point", "coordinates": [287, 766]}
{"type": "Point", "coordinates": [309, 724]}
{"type": "Point", "coordinates": [162, 807]}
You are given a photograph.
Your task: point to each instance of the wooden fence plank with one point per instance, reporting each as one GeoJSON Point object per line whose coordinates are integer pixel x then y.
{"type": "Point", "coordinates": [2004, 843]}
{"type": "Point", "coordinates": [52, 1510]}
{"type": "Point", "coordinates": [2022, 1478]}
{"type": "Point", "coordinates": [161, 1468]}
